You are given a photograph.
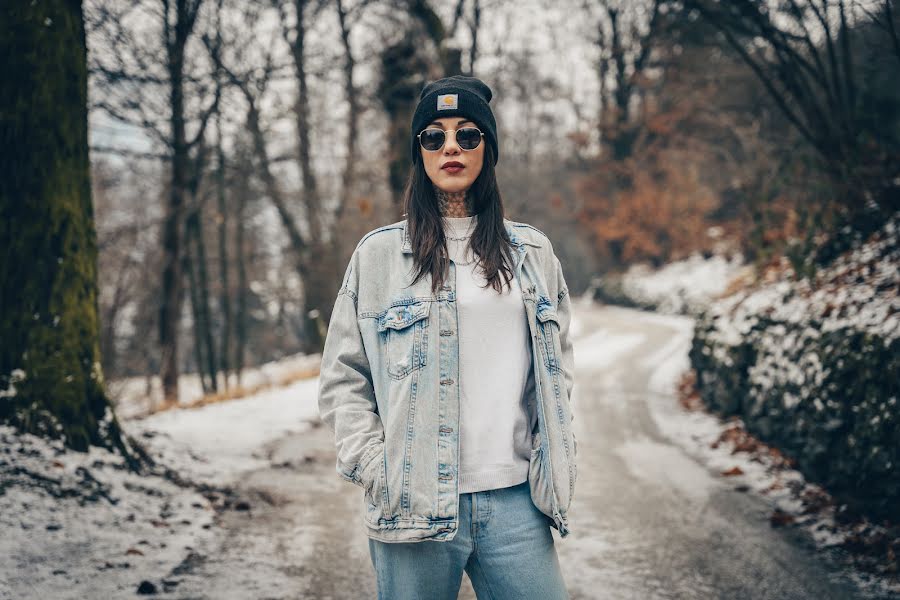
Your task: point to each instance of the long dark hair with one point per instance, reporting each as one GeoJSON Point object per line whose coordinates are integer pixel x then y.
{"type": "Point", "coordinates": [490, 242]}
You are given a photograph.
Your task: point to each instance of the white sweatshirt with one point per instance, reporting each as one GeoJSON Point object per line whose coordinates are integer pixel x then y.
{"type": "Point", "coordinates": [495, 368]}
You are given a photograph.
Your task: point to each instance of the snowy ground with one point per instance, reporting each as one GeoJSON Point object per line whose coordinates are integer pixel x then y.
{"type": "Point", "coordinates": [89, 527]}
{"type": "Point", "coordinates": [93, 527]}
{"type": "Point", "coordinates": [267, 517]}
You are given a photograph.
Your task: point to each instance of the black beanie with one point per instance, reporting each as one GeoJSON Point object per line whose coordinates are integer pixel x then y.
{"type": "Point", "coordinates": [457, 95]}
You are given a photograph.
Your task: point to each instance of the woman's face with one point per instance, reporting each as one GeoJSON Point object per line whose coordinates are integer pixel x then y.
{"type": "Point", "coordinates": [436, 163]}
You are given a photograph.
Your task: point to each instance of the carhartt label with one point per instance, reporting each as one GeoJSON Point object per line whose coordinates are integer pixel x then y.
{"type": "Point", "coordinates": [448, 101]}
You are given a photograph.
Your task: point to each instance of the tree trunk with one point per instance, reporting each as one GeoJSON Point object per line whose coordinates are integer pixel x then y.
{"type": "Point", "coordinates": [222, 222]}
{"type": "Point", "coordinates": [170, 311]}
{"type": "Point", "coordinates": [352, 117]}
{"type": "Point", "coordinates": [51, 379]}
{"type": "Point", "coordinates": [240, 318]}
{"type": "Point", "coordinates": [476, 25]}
{"type": "Point", "coordinates": [108, 330]}
{"type": "Point", "coordinates": [301, 113]}
{"type": "Point", "coordinates": [195, 232]}
{"type": "Point", "coordinates": [193, 289]}
{"type": "Point", "coordinates": [317, 262]}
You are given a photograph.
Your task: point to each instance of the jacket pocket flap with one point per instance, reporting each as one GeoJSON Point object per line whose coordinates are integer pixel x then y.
{"type": "Point", "coordinates": [547, 313]}
{"type": "Point", "coordinates": [402, 316]}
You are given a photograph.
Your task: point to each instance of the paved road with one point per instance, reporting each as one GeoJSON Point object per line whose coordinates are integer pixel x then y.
{"type": "Point", "coordinates": [647, 521]}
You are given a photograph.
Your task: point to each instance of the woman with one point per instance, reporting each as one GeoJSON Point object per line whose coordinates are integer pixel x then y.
{"type": "Point", "coordinates": [447, 372]}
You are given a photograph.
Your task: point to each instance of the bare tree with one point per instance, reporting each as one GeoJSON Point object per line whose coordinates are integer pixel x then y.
{"type": "Point", "coordinates": [195, 265]}
{"type": "Point", "coordinates": [314, 257]}
{"type": "Point", "coordinates": [885, 18]}
{"type": "Point", "coordinates": [127, 71]}
{"type": "Point", "coordinates": [294, 30]}
{"type": "Point", "coordinates": [242, 191]}
{"type": "Point", "coordinates": [805, 54]}
{"type": "Point", "coordinates": [347, 19]}
{"type": "Point", "coordinates": [626, 34]}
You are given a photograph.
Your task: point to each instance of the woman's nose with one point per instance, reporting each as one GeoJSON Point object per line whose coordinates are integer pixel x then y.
{"type": "Point", "coordinates": [450, 145]}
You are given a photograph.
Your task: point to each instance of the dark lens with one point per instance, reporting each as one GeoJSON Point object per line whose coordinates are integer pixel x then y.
{"type": "Point", "coordinates": [432, 139]}
{"type": "Point", "coordinates": [468, 138]}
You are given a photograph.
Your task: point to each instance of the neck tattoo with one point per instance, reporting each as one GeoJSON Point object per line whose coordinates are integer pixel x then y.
{"type": "Point", "coordinates": [454, 204]}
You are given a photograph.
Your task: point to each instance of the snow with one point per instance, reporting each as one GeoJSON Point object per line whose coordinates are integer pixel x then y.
{"type": "Point", "coordinates": [134, 396]}
{"type": "Point", "coordinates": [223, 437]}
{"type": "Point", "coordinates": [666, 466]}
{"type": "Point", "coordinates": [684, 286]}
{"type": "Point", "coordinates": [110, 529]}
{"type": "Point", "coordinates": [859, 291]}
{"type": "Point", "coordinates": [601, 349]}
{"type": "Point", "coordinates": [15, 376]}
{"type": "Point", "coordinates": [696, 431]}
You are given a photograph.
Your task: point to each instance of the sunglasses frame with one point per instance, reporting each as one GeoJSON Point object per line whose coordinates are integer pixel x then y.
{"type": "Point", "coordinates": [446, 131]}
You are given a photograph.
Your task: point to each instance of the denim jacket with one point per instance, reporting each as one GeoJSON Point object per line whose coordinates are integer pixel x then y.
{"type": "Point", "coordinates": [389, 389]}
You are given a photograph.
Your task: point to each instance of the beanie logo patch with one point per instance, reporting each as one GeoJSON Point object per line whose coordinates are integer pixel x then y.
{"type": "Point", "coordinates": [448, 101]}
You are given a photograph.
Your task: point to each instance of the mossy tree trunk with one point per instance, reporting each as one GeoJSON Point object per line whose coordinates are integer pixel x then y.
{"type": "Point", "coordinates": [51, 380]}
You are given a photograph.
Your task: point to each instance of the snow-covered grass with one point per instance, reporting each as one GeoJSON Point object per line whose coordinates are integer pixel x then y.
{"type": "Point", "coordinates": [858, 291]}
{"type": "Point", "coordinates": [79, 525]}
{"type": "Point", "coordinates": [685, 286]}
{"type": "Point", "coordinates": [138, 396]}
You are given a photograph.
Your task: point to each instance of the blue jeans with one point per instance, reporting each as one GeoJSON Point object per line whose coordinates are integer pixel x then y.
{"type": "Point", "coordinates": [503, 542]}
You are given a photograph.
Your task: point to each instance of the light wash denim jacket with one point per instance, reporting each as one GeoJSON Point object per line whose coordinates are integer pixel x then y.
{"type": "Point", "coordinates": [389, 385]}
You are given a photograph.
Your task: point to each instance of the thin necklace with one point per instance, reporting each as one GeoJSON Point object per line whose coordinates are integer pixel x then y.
{"type": "Point", "coordinates": [463, 238]}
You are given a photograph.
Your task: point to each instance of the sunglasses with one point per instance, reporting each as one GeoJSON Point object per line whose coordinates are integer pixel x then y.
{"type": "Point", "coordinates": [468, 138]}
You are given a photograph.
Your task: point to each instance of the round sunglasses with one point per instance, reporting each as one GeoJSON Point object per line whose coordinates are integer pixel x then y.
{"type": "Point", "coordinates": [468, 138]}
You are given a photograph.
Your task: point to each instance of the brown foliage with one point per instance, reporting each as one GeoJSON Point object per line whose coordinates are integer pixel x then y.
{"type": "Point", "coordinates": [660, 215]}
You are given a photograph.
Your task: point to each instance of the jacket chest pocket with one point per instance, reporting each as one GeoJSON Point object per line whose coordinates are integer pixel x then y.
{"type": "Point", "coordinates": [403, 330]}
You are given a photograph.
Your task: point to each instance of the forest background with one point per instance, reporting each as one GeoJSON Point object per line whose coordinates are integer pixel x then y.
{"type": "Point", "coordinates": [238, 151]}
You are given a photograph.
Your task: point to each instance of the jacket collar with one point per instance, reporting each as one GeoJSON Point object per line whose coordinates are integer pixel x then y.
{"type": "Point", "coordinates": [519, 241]}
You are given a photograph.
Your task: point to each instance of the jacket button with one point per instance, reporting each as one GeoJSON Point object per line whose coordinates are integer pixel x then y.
{"type": "Point", "coordinates": [446, 381]}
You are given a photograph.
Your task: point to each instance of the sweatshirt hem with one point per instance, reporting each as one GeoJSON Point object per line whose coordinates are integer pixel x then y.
{"type": "Point", "coordinates": [489, 480]}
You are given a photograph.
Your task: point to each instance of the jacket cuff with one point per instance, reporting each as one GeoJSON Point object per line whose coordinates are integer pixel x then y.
{"type": "Point", "coordinates": [367, 473]}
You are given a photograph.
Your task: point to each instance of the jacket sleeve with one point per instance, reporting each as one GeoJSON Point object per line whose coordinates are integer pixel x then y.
{"type": "Point", "coordinates": [564, 314]}
{"type": "Point", "coordinates": [346, 396]}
